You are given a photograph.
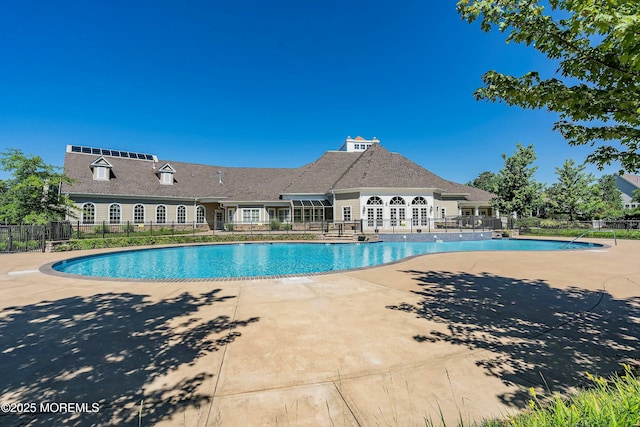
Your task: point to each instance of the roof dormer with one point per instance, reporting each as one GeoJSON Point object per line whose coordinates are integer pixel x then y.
{"type": "Point", "coordinates": [165, 173]}
{"type": "Point", "coordinates": [101, 169]}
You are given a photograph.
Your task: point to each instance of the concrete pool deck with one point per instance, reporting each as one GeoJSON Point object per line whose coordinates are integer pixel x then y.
{"type": "Point", "coordinates": [464, 335]}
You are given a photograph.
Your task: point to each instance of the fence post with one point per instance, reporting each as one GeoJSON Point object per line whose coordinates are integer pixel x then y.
{"type": "Point", "coordinates": [44, 240]}
{"type": "Point", "coordinates": [128, 228]}
{"type": "Point", "coordinates": [78, 230]}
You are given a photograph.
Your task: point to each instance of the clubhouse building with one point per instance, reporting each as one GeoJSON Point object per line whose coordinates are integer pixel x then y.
{"type": "Point", "coordinates": [361, 184]}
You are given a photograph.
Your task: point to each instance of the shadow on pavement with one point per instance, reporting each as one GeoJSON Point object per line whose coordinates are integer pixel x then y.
{"type": "Point", "coordinates": [108, 349]}
{"type": "Point", "coordinates": [538, 335]}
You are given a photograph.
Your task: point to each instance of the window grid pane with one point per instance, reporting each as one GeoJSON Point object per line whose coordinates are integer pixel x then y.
{"type": "Point", "coordinates": [182, 214]}
{"type": "Point", "coordinates": [138, 214]}
{"type": "Point", "coordinates": [161, 214]}
{"type": "Point", "coordinates": [114, 214]}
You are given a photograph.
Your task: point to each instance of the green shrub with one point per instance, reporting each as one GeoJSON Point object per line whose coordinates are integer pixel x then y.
{"type": "Point", "coordinates": [526, 223]}
{"type": "Point", "coordinates": [101, 229]}
{"type": "Point", "coordinates": [550, 223]}
{"type": "Point", "coordinates": [609, 402]}
{"type": "Point", "coordinates": [228, 226]}
{"type": "Point", "coordinates": [120, 242]}
{"type": "Point", "coordinates": [275, 224]}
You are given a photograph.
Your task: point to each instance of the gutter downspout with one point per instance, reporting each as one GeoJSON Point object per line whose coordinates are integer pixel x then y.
{"type": "Point", "coordinates": [195, 215]}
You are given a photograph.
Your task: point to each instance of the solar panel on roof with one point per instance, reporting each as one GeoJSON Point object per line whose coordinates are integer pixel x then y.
{"type": "Point", "coordinates": [112, 153]}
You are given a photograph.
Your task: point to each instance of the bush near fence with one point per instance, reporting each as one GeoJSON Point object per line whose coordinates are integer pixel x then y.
{"type": "Point", "coordinates": [621, 229]}
{"type": "Point", "coordinates": [118, 242]}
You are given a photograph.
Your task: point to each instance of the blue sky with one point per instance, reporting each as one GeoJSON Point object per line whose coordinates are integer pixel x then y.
{"type": "Point", "coordinates": [264, 84]}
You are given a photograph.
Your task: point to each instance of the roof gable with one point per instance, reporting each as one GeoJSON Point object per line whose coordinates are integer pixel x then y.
{"type": "Point", "coordinates": [101, 162]}
{"type": "Point", "coordinates": [166, 168]}
{"type": "Point", "coordinates": [378, 167]}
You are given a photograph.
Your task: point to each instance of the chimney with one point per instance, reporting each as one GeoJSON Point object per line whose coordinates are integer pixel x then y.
{"type": "Point", "coordinates": [219, 177]}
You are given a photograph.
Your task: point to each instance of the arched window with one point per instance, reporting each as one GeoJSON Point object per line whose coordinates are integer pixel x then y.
{"type": "Point", "coordinates": [374, 212]}
{"type": "Point", "coordinates": [397, 211]}
{"type": "Point", "coordinates": [182, 214]}
{"type": "Point", "coordinates": [200, 215]}
{"type": "Point", "coordinates": [419, 213]}
{"type": "Point", "coordinates": [161, 214]}
{"type": "Point", "coordinates": [88, 213]}
{"type": "Point", "coordinates": [114, 214]}
{"type": "Point", "coordinates": [138, 214]}
{"type": "Point", "coordinates": [419, 201]}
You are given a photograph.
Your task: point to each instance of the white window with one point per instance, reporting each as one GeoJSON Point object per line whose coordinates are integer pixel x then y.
{"type": "Point", "coordinates": [397, 213]}
{"type": "Point", "coordinates": [251, 215]}
{"type": "Point", "coordinates": [419, 211]}
{"type": "Point", "coordinates": [166, 178]}
{"type": "Point", "coordinates": [284, 215]}
{"type": "Point", "coordinates": [88, 213]}
{"type": "Point", "coordinates": [272, 214]}
{"type": "Point", "coordinates": [101, 173]}
{"type": "Point", "coordinates": [374, 213]}
{"type": "Point", "coordinates": [346, 213]}
{"type": "Point", "coordinates": [138, 214]}
{"type": "Point", "coordinates": [114, 214]}
{"type": "Point", "coordinates": [161, 214]}
{"type": "Point", "coordinates": [200, 215]}
{"type": "Point", "coordinates": [182, 214]}
{"type": "Point", "coordinates": [419, 201]}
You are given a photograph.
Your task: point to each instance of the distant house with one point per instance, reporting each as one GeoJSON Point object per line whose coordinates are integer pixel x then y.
{"type": "Point", "coordinates": [627, 184]}
{"type": "Point", "coordinates": [362, 182]}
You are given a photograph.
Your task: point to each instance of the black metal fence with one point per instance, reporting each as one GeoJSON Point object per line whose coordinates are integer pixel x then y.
{"type": "Point", "coordinates": [277, 227]}
{"type": "Point", "coordinates": [529, 224]}
{"type": "Point", "coordinates": [31, 237]}
{"type": "Point", "coordinates": [104, 229]}
{"type": "Point", "coordinates": [427, 225]}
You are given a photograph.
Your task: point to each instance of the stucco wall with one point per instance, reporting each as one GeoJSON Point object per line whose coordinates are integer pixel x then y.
{"type": "Point", "coordinates": [126, 209]}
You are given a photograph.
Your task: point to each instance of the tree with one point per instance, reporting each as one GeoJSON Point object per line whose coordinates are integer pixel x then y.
{"type": "Point", "coordinates": [608, 192]}
{"type": "Point", "coordinates": [485, 181]}
{"type": "Point", "coordinates": [595, 90]}
{"type": "Point", "coordinates": [31, 194]}
{"type": "Point", "coordinates": [573, 195]}
{"type": "Point", "coordinates": [635, 196]}
{"type": "Point", "coordinates": [516, 189]}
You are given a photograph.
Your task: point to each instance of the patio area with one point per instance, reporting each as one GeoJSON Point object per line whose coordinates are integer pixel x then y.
{"type": "Point", "coordinates": [457, 335]}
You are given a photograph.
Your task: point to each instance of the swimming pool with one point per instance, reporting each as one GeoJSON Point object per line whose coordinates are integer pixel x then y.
{"type": "Point", "coordinates": [276, 259]}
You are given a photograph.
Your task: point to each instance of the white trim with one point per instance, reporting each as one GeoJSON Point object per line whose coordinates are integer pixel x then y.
{"type": "Point", "coordinates": [144, 213]}
{"type": "Point", "coordinates": [350, 213]}
{"type": "Point", "coordinates": [165, 214]}
{"type": "Point", "coordinates": [119, 214]}
{"type": "Point", "coordinates": [95, 213]}
{"type": "Point", "coordinates": [178, 214]}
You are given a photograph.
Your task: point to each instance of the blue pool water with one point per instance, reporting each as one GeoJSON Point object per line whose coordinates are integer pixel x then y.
{"type": "Point", "coordinates": [267, 259]}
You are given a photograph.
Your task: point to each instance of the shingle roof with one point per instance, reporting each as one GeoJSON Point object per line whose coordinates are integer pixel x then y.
{"type": "Point", "coordinates": [378, 167]}
{"type": "Point", "coordinates": [632, 179]}
{"type": "Point", "coordinates": [138, 178]}
{"type": "Point", "coordinates": [339, 170]}
{"type": "Point", "coordinates": [320, 176]}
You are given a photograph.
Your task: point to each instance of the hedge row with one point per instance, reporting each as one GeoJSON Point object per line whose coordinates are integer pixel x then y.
{"type": "Point", "coordinates": [619, 234]}
{"type": "Point", "coordinates": [119, 242]}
